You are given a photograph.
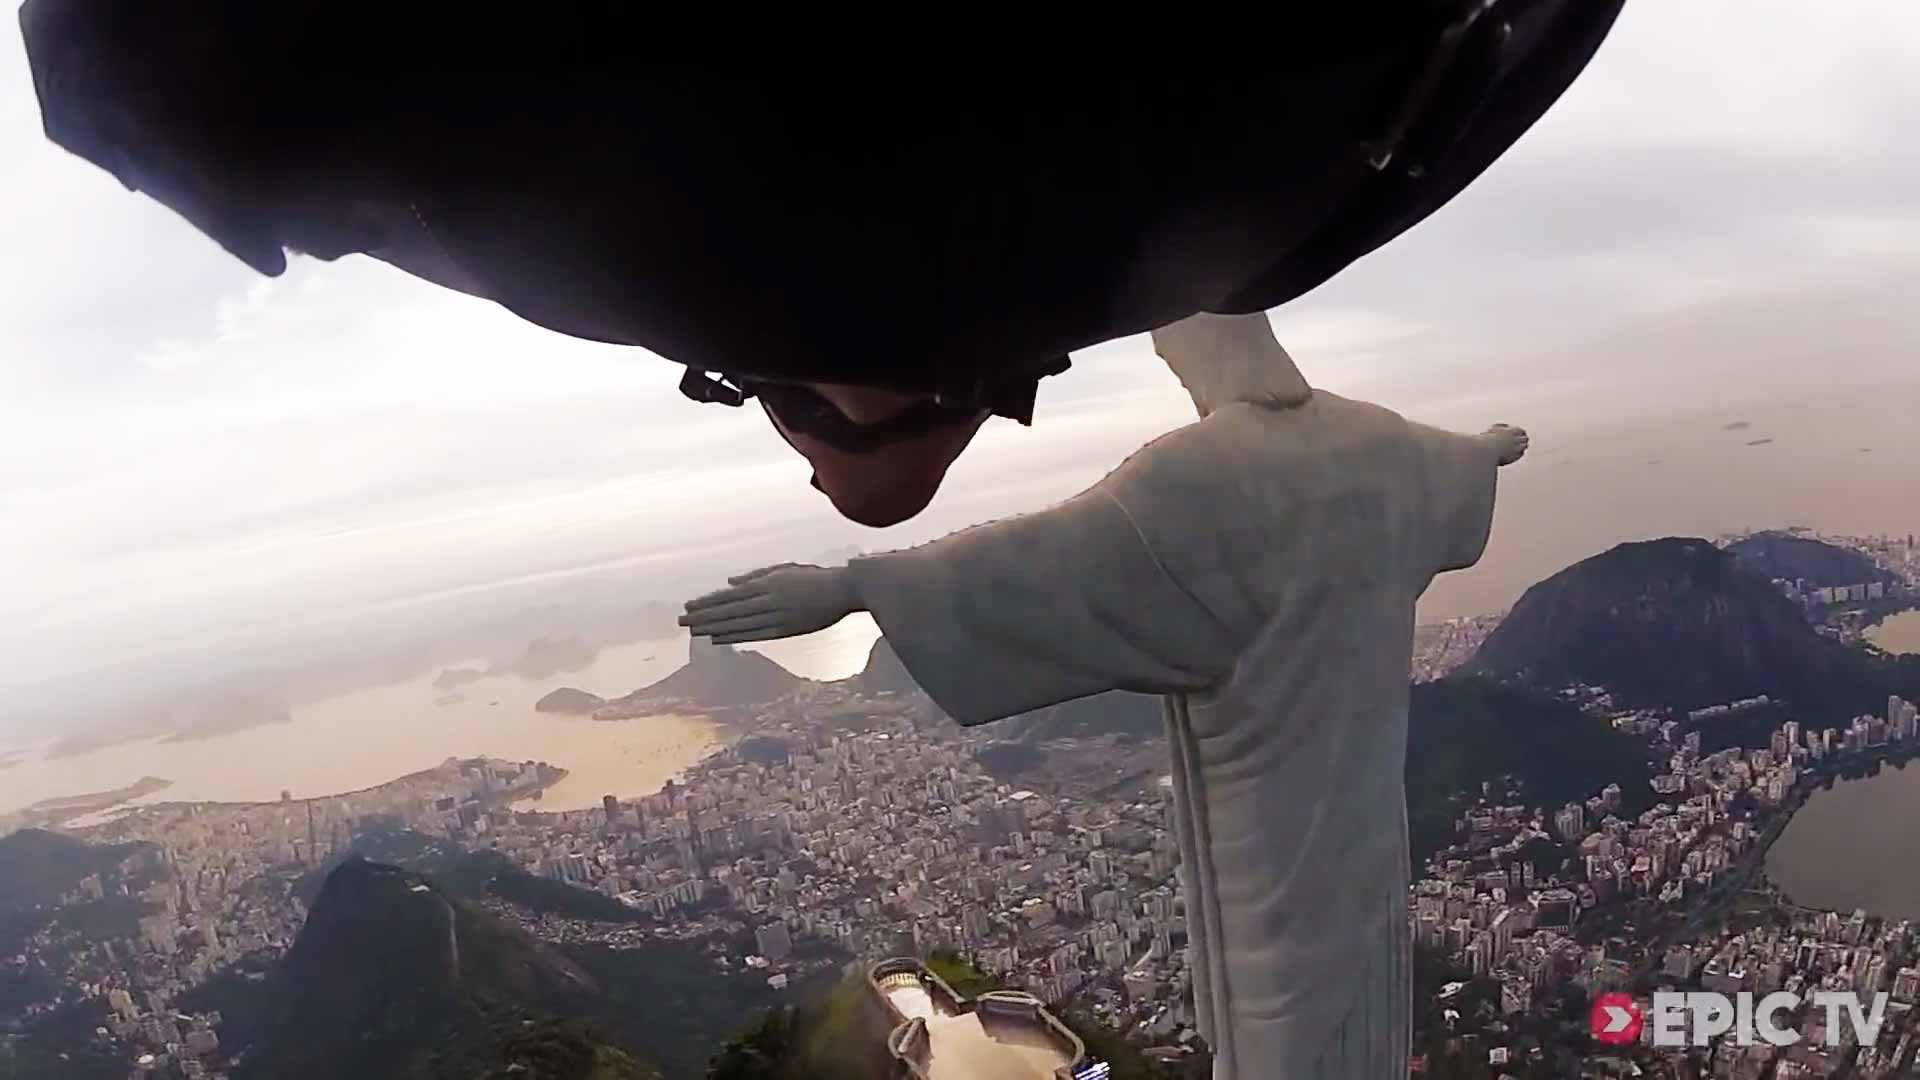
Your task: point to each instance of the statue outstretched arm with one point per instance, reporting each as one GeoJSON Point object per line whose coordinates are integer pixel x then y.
{"type": "Point", "coordinates": [772, 602]}
{"type": "Point", "coordinates": [1002, 618]}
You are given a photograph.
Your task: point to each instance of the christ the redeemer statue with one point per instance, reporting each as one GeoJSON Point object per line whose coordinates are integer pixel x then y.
{"type": "Point", "coordinates": [1258, 568]}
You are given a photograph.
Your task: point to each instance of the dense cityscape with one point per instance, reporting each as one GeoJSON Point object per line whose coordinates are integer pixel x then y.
{"type": "Point", "coordinates": [849, 823]}
{"type": "Point", "coordinates": [876, 842]}
{"type": "Point", "coordinates": [1644, 886]}
{"type": "Point", "coordinates": [1554, 906]}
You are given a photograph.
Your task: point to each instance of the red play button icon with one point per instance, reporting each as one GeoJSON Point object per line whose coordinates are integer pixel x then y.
{"type": "Point", "coordinates": [1616, 1018]}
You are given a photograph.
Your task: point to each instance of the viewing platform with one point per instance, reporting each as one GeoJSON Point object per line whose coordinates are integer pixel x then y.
{"type": "Point", "coordinates": [1000, 1035]}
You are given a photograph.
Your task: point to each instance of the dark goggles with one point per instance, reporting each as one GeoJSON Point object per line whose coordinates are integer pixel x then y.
{"type": "Point", "coordinates": [804, 412]}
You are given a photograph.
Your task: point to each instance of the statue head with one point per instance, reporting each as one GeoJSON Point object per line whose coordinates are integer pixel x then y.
{"type": "Point", "coordinates": [1222, 359]}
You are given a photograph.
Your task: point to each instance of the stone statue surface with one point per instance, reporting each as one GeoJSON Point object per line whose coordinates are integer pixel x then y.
{"type": "Point", "coordinates": [1259, 569]}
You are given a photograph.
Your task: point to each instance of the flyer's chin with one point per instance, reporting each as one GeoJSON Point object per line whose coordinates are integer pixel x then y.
{"type": "Point", "coordinates": [879, 509]}
{"type": "Point", "coordinates": [890, 485]}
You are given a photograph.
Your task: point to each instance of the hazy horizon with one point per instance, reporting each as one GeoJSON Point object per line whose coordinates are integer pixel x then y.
{"type": "Point", "coordinates": [209, 472]}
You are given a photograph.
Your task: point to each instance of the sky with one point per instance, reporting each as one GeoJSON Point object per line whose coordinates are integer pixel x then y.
{"type": "Point", "coordinates": [203, 469]}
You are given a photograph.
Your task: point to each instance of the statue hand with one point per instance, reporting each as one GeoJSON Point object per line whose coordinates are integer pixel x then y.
{"type": "Point", "coordinates": [773, 602]}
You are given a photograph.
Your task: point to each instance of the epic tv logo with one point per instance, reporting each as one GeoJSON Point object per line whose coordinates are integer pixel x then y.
{"type": "Point", "coordinates": [1616, 1018]}
{"type": "Point", "coordinates": [1692, 1019]}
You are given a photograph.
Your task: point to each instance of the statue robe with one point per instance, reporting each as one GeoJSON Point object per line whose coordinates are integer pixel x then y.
{"type": "Point", "coordinates": [1258, 568]}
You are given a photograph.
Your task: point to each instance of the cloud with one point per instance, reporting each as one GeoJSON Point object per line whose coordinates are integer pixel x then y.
{"type": "Point", "coordinates": [171, 355]}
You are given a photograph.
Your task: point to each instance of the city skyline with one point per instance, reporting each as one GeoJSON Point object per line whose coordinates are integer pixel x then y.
{"type": "Point", "coordinates": [846, 823]}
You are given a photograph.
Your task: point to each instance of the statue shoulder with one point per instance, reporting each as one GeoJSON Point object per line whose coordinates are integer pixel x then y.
{"type": "Point", "coordinates": [1325, 423]}
{"type": "Point", "coordinates": [1183, 452]}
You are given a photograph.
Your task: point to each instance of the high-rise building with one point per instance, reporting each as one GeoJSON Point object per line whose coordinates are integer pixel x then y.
{"type": "Point", "coordinates": [1875, 977]}
{"type": "Point", "coordinates": [1902, 718]}
{"type": "Point", "coordinates": [1571, 822]}
{"type": "Point", "coordinates": [974, 921]}
{"type": "Point", "coordinates": [773, 941]}
{"type": "Point", "coordinates": [571, 867]}
{"type": "Point", "coordinates": [612, 806]}
{"type": "Point", "coordinates": [1101, 864]}
{"type": "Point", "coordinates": [1906, 984]}
{"type": "Point", "coordinates": [1555, 908]}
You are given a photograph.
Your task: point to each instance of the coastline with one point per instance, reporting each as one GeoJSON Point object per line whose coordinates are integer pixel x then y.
{"type": "Point", "coordinates": [358, 741]}
{"type": "Point", "coordinates": [363, 739]}
{"type": "Point", "coordinates": [297, 689]}
{"type": "Point", "coordinates": [1752, 867]}
{"type": "Point", "coordinates": [1855, 769]}
{"type": "Point", "coordinates": [59, 811]}
{"type": "Point", "coordinates": [623, 758]}
{"type": "Point", "coordinates": [552, 775]}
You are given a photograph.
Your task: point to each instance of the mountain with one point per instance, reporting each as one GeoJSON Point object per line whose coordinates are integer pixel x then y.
{"type": "Point", "coordinates": [711, 993]}
{"type": "Point", "coordinates": [37, 867]}
{"type": "Point", "coordinates": [543, 658]}
{"type": "Point", "coordinates": [238, 703]}
{"type": "Point", "coordinates": [1462, 732]}
{"type": "Point", "coordinates": [393, 977]}
{"type": "Point", "coordinates": [565, 1050]}
{"type": "Point", "coordinates": [1007, 761]}
{"type": "Point", "coordinates": [1786, 555]}
{"type": "Point", "coordinates": [569, 700]}
{"type": "Point", "coordinates": [714, 677]}
{"type": "Point", "coordinates": [1680, 623]}
{"type": "Point", "coordinates": [1136, 715]}
{"type": "Point", "coordinates": [884, 672]}
{"type": "Point", "coordinates": [223, 710]}
{"type": "Point", "coordinates": [837, 1035]}
{"type": "Point", "coordinates": [763, 750]}
{"type": "Point", "coordinates": [546, 657]}
{"type": "Point", "coordinates": [455, 678]}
